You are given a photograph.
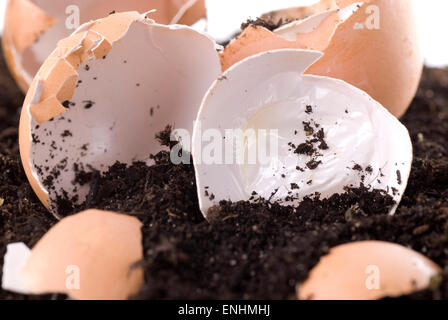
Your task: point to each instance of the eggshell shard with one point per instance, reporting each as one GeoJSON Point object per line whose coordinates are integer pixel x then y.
{"type": "Point", "coordinates": [376, 49]}
{"type": "Point", "coordinates": [15, 258]}
{"type": "Point", "coordinates": [313, 33]}
{"type": "Point", "coordinates": [368, 270]}
{"type": "Point", "coordinates": [356, 140]}
{"type": "Point", "coordinates": [90, 255]}
{"type": "Point", "coordinates": [104, 93]}
{"type": "Point", "coordinates": [33, 27]}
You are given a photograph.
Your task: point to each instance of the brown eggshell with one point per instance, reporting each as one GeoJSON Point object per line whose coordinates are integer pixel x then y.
{"type": "Point", "coordinates": [252, 41]}
{"type": "Point", "coordinates": [368, 270]}
{"type": "Point", "coordinates": [41, 100]}
{"type": "Point", "coordinates": [26, 21]}
{"type": "Point", "coordinates": [25, 143]}
{"type": "Point", "coordinates": [19, 35]}
{"type": "Point", "coordinates": [386, 63]}
{"type": "Point", "coordinates": [98, 246]}
{"type": "Point", "coordinates": [191, 15]}
{"type": "Point", "coordinates": [66, 81]}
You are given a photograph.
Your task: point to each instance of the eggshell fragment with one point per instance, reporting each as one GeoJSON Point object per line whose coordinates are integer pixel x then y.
{"type": "Point", "coordinates": [105, 92]}
{"type": "Point", "coordinates": [316, 31]}
{"type": "Point", "coordinates": [90, 255]}
{"type": "Point", "coordinates": [351, 140]}
{"type": "Point", "coordinates": [15, 258]}
{"type": "Point", "coordinates": [313, 33]}
{"type": "Point", "coordinates": [33, 27]}
{"type": "Point", "coordinates": [368, 270]}
{"type": "Point", "coordinates": [376, 49]}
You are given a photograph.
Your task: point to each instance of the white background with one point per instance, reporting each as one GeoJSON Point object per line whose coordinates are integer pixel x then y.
{"type": "Point", "coordinates": [432, 14]}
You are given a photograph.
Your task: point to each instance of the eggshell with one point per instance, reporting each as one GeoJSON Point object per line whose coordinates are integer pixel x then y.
{"type": "Point", "coordinates": [385, 62]}
{"type": "Point", "coordinates": [313, 33]}
{"type": "Point", "coordinates": [15, 258]}
{"type": "Point", "coordinates": [112, 86]}
{"type": "Point", "coordinates": [269, 92]}
{"type": "Point", "coordinates": [368, 270]}
{"type": "Point", "coordinates": [90, 255]}
{"type": "Point", "coordinates": [33, 27]}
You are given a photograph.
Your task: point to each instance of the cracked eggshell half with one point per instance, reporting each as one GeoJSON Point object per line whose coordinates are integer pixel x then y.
{"type": "Point", "coordinates": [105, 92]}
{"type": "Point", "coordinates": [33, 27]}
{"type": "Point", "coordinates": [374, 46]}
{"type": "Point", "coordinates": [368, 270]}
{"type": "Point", "coordinates": [304, 135]}
{"type": "Point", "coordinates": [90, 255]}
{"type": "Point", "coordinates": [313, 32]}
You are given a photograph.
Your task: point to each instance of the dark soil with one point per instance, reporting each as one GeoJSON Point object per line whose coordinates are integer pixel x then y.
{"type": "Point", "coordinates": [236, 255]}
{"type": "Point", "coordinates": [248, 250]}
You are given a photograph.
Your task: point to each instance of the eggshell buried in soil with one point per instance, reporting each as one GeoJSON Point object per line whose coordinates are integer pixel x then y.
{"type": "Point", "coordinates": [104, 93]}
{"type": "Point", "coordinates": [376, 49]}
{"type": "Point", "coordinates": [90, 255]}
{"type": "Point", "coordinates": [33, 27]}
{"type": "Point", "coordinates": [266, 130]}
{"type": "Point", "coordinates": [368, 270]}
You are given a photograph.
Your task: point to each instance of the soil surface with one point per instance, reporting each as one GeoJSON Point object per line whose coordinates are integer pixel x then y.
{"type": "Point", "coordinates": [257, 250]}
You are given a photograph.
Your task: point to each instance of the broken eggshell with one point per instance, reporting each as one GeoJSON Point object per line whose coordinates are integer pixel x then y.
{"type": "Point", "coordinates": [104, 93]}
{"type": "Point", "coordinates": [90, 255]}
{"type": "Point", "coordinates": [374, 46]}
{"type": "Point", "coordinates": [33, 27]}
{"type": "Point", "coordinates": [223, 26]}
{"type": "Point", "coordinates": [368, 270]}
{"type": "Point", "coordinates": [329, 135]}
{"type": "Point", "coordinates": [15, 259]}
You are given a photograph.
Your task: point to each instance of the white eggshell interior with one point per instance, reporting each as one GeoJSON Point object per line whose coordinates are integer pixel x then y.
{"type": "Point", "coordinates": [153, 77]}
{"type": "Point", "coordinates": [15, 258]}
{"type": "Point", "coordinates": [62, 10]}
{"type": "Point", "coordinates": [268, 91]}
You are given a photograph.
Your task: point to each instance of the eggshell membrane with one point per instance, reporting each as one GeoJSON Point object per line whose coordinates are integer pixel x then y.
{"type": "Point", "coordinates": [358, 131]}
{"type": "Point", "coordinates": [175, 95]}
{"type": "Point", "coordinates": [344, 273]}
{"type": "Point", "coordinates": [386, 63]}
{"type": "Point", "coordinates": [105, 247]}
{"type": "Point", "coordinates": [33, 27]}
